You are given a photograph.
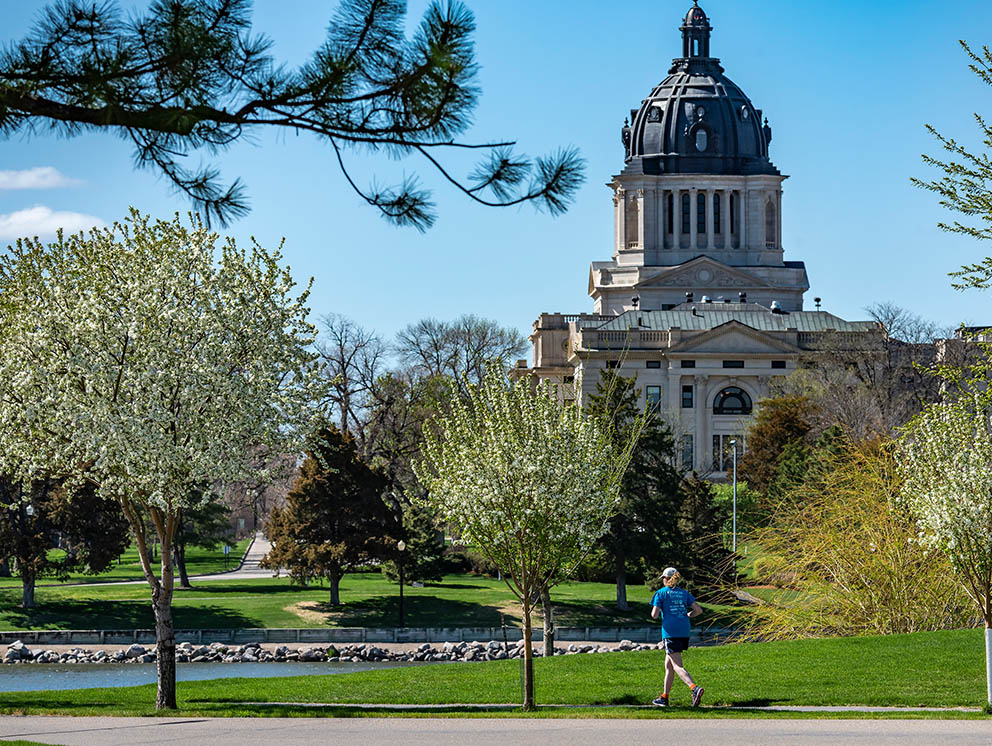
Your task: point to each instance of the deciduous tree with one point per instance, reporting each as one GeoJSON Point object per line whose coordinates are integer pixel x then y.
{"type": "Point", "coordinates": [528, 480]}
{"type": "Point", "coordinates": [946, 459]}
{"type": "Point", "coordinates": [142, 358]}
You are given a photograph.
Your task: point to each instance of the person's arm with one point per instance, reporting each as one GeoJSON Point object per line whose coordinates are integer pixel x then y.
{"type": "Point", "coordinates": [655, 612]}
{"type": "Point", "coordinates": [694, 610]}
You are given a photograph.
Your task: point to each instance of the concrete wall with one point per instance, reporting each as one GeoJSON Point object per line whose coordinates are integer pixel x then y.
{"type": "Point", "coordinates": [327, 635]}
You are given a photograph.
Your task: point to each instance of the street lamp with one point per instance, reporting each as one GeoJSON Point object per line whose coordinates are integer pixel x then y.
{"type": "Point", "coordinates": [734, 444]}
{"type": "Point", "coordinates": [401, 547]}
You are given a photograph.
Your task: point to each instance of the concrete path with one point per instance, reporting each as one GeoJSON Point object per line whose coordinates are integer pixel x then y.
{"type": "Point", "coordinates": [99, 731]}
{"type": "Point", "coordinates": [248, 569]}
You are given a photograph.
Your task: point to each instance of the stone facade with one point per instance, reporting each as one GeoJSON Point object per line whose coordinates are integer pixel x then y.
{"type": "Point", "coordinates": [698, 300]}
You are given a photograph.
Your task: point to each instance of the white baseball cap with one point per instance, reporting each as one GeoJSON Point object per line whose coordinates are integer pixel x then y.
{"type": "Point", "coordinates": [669, 572]}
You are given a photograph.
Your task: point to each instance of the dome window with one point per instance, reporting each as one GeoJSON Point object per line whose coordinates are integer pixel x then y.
{"type": "Point", "coordinates": [701, 140]}
{"type": "Point", "coordinates": [733, 401]}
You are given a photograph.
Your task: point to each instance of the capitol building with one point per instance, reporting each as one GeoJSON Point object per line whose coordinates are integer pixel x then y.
{"type": "Point", "coordinates": [698, 300]}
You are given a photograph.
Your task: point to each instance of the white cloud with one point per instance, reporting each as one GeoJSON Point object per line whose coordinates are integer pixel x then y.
{"type": "Point", "coordinates": [42, 177]}
{"type": "Point", "coordinates": [43, 221]}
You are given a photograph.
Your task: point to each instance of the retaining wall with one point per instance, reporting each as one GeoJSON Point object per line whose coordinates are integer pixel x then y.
{"type": "Point", "coordinates": [330, 634]}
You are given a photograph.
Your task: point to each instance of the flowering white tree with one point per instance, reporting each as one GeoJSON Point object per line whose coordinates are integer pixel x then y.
{"type": "Point", "coordinates": [146, 358]}
{"type": "Point", "coordinates": [528, 480]}
{"type": "Point", "coordinates": [947, 461]}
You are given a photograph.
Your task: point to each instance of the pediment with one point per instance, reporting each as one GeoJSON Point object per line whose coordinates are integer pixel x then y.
{"type": "Point", "coordinates": [734, 337]}
{"type": "Point", "coordinates": [704, 272]}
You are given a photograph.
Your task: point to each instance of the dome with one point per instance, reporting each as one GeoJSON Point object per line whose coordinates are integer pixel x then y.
{"type": "Point", "coordinates": [696, 17]}
{"type": "Point", "coordinates": [697, 120]}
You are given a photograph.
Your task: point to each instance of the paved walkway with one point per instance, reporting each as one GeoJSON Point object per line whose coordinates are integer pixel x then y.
{"type": "Point", "coordinates": [510, 707]}
{"type": "Point", "coordinates": [248, 569]}
{"type": "Point", "coordinates": [100, 731]}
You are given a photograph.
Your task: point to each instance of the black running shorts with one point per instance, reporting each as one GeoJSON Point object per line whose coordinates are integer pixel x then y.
{"type": "Point", "coordinates": [676, 644]}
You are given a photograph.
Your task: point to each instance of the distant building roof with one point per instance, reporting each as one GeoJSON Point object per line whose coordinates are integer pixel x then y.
{"type": "Point", "coordinates": [704, 316]}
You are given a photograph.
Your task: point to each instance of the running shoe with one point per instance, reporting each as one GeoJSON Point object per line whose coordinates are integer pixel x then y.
{"type": "Point", "coordinates": [660, 701]}
{"type": "Point", "coordinates": [697, 696]}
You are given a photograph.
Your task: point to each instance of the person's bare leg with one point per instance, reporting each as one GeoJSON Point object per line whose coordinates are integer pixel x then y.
{"type": "Point", "coordinates": [673, 664]}
{"type": "Point", "coordinates": [669, 674]}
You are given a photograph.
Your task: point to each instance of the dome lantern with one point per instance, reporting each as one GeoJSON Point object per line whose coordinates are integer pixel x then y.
{"type": "Point", "coordinates": [696, 33]}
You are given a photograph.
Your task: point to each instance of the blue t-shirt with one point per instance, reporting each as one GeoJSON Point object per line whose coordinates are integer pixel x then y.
{"type": "Point", "coordinates": [675, 604]}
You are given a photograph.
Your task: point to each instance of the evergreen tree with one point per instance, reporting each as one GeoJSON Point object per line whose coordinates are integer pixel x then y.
{"type": "Point", "coordinates": [423, 559]}
{"type": "Point", "coordinates": [334, 518]}
{"type": "Point", "coordinates": [32, 522]}
{"type": "Point", "coordinates": [703, 556]}
{"type": "Point", "coordinates": [192, 76]}
{"type": "Point", "coordinates": [644, 532]}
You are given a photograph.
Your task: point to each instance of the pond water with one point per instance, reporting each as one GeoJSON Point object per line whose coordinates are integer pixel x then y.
{"type": "Point", "coordinates": [27, 677]}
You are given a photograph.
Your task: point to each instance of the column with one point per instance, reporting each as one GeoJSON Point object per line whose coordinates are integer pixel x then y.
{"type": "Point", "coordinates": [642, 237]}
{"type": "Point", "coordinates": [703, 457]}
{"type": "Point", "coordinates": [725, 217]}
{"type": "Point", "coordinates": [744, 241]}
{"type": "Point", "coordinates": [677, 218]}
{"type": "Point", "coordinates": [710, 220]}
{"type": "Point", "coordinates": [692, 218]}
{"type": "Point", "coordinates": [662, 197]}
{"type": "Point", "coordinates": [622, 220]}
{"type": "Point", "coordinates": [617, 211]}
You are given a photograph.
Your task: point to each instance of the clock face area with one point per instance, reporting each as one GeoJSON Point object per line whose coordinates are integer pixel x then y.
{"type": "Point", "coordinates": [701, 141]}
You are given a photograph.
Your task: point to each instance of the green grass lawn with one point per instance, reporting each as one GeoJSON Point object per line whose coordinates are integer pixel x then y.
{"type": "Point", "coordinates": [369, 600]}
{"type": "Point", "coordinates": [935, 669]}
{"type": "Point", "coordinates": [198, 562]}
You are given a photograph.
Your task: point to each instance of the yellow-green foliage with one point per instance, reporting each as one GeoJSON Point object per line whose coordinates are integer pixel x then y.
{"type": "Point", "coordinates": [845, 559]}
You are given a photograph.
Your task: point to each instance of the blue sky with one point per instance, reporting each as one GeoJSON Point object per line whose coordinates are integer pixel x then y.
{"type": "Point", "coordinates": [847, 87]}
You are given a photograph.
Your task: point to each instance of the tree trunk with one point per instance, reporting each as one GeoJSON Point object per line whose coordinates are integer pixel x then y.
{"type": "Point", "coordinates": [165, 648]}
{"type": "Point", "coordinates": [180, 555]}
{"type": "Point", "coordinates": [335, 581]}
{"type": "Point", "coordinates": [27, 594]}
{"type": "Point", "coordinates": [621, 575]}
{"type": "Point", "coordinates": [549, 624]}
{"type": "Point", "coordinates": [528, 704]}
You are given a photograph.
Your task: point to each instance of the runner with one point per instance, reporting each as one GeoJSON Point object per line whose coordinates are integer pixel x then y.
{"type": "Point", "coordinates": [675, 606]}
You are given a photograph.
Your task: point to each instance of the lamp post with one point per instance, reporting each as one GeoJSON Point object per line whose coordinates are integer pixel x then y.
{"type": "Point", "coordinates": [734, 444]}
{"type": "Point", "coordinates": [401, 547]}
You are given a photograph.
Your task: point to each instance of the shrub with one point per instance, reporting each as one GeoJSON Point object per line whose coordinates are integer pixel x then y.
{"type": "Point", "coordinates": [852, 557]}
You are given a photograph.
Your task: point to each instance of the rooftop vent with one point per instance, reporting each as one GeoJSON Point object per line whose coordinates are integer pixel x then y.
{"type": "Point", "coordinates": [706, 299]}
{"type": "Point", "coordinates": [742, 297]}
{"type": "Point", "coordinates": [776, 308]}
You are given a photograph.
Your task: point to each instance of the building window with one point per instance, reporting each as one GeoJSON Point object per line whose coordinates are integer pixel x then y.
{"type": "Point", "coordinates": [569, 379]}
{"type": "Point", "coordinates": [733, 363]}
{"type": "Point", "coordinates": [723, 452]}
{"type": "Point", "coordinates": [733, 213]}
{"type": "Point", "coordinates": [671, 212]}
{"type": "Point", "coordinates": [687, 453]}
{"type": "Point", "coordinates": [732, 400]}
{"type": "Point", "coordinates": [701, 213]}
{"type": "Point", "coordinates": [653, 397]}
{"type": "Point", "coordinates": [685, 213]}
{"type": "Point", "coordinates": [780, 364]}
{"type": "Point", "coordinates": [687, 397]}
{"type": "Point", "coordinates": [654, 363]}
{"type": "Point", "coordinates": [717, 228]}
{"type": "Point", "coordinates": [612, 364]}
{"type": "Point", "coordinates": [631, 222]}
{"type": "Point", "coordinates": [771, 227]}
{"type": "Point", "coordinates": [688, 363]}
